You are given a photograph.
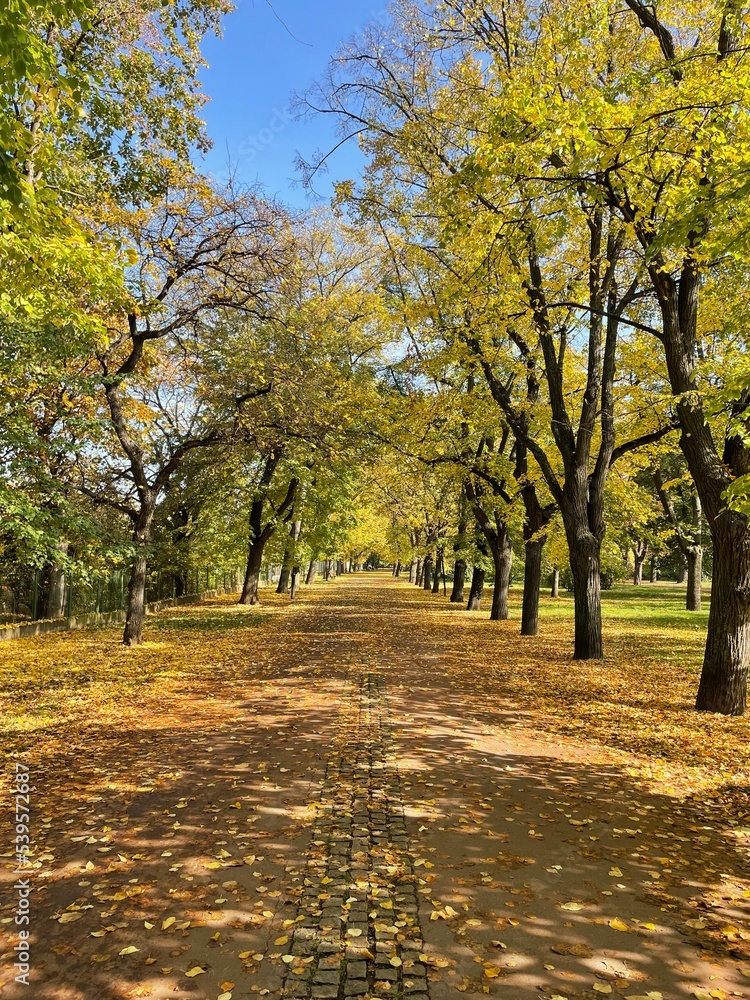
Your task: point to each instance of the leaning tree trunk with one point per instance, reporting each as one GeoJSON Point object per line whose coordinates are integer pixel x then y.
{"type": "Point", "coordinates": [586, 571]}
{"type": "Point", "coordinates": [249, 593]}
{"type": "Point", "coordinates": [502, 559]}
{"type": "Point", "coordinates": [136, 608]}
{"type": "Point", "coordinates": [476, 590]}
{"type": "Point", "coordinates": [427, 573]}
{"type": "Point", "coordinates": [694, 578]}
{"type": "Point", "coordinates": [723, 683]}
{"type": "Point", "coordinates": [532, 584]}
{"type": "Point", "coordinates": [311, 570]}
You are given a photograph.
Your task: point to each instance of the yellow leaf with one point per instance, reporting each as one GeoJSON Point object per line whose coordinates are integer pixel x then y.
{"type": "Point", "coordinates": [281, 940]}
{"type": "Point", "coordinates": [196, 971]}
{"type": "Point", "coordinates": [68, 918]}
{"type": "Point", "coordinates": [492, 971]}
{"type": "Point", "coordinates": [129, 950]}
{"type": "Point", "coordinates": [619, 925]}
{"type": "Point", "coordinates": [167, 923]}
{"type": "Point", "coordinates": [571, 906]}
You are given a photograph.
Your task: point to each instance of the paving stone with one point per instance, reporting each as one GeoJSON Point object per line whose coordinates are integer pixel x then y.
{"type": "Point", "coordinates": [325, 976]}
{"type": "Point", "coordinates": [358, 838]}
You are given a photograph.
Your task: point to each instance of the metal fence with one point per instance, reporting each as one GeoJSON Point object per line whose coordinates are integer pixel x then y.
{"type": "Point", "coordinates": [24, 597]}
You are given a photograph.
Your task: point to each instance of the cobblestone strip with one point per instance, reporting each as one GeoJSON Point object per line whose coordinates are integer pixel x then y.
{"type": "Point", "coordinates": [357, 932]}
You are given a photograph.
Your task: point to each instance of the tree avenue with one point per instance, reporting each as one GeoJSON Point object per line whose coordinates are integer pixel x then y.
{"type": "Point", "coordinates": [513, 351]}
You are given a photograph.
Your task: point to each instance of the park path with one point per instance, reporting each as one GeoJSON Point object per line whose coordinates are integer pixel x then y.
{"type": "Point", "coordinates": [365, 823]}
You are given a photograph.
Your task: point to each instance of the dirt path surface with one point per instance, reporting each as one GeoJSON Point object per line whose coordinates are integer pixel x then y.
{"type": "Point", "coordinates": [368, 821]}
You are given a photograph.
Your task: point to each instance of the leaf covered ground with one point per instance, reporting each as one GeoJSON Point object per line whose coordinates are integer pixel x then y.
{"type": "Point", "coordinates": [576, 828]}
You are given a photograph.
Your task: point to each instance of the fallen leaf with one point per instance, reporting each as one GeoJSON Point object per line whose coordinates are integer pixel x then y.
{"type": "Point", "coordinates": [619, 925]}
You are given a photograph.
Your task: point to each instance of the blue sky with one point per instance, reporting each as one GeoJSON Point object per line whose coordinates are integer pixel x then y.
{"type": "Point", "coordinates": [252, 73]}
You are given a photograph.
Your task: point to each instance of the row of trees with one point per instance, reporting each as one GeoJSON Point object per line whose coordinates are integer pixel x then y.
{"type": "Point", "coordinates": [562, 189]}
{"type": "Point", "coordinates": [181, 363]}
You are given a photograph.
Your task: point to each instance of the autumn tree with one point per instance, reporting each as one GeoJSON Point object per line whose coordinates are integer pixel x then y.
{"type": "Point", "coordinates": [546, 282]}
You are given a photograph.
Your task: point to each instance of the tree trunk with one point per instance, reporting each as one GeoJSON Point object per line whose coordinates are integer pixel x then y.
{"type": "Point", "coordinates": [398, 569]}
{"type": "Point", "coordinates": [136, 609]}
{"type": "Point", "coordinates": [420, 572]}
{"type": "Point", "coordinates": [654, 577]}
{"type": "Point", "coordinates": [532, 583]}
{"type": "Point", "coordinates": [438, 568]}
{"type": "Point", "coordinates": [502, 559]}
{"type": "Point", "coordinates": [555, 582]}
{"type": "Point", "coordinates": [427, 573]}
{"type": "Point", "coordinates": [311, 570]}
{"type": "Point", "coordinates": [296, 580]}
{"type": "Point", "coordinates": [249, 593]}
{"type": "Point", "coordinates": [413, 570]}
{"type": "Point", "coordinates": [56, 590]}
{"type": "Point", "coordinates": [476, 590]}
{"type": "Point", "coordinates": [682, 570]}
{"type": "Point", "coordinates": [640, 551]}
{"type": "Point", "coordinates": [283, 584]}
{"type": "Point", "coordinates": [723, 683]}
{"type": "Point", "coordinates": [586, 571]}
{"type": "Point", "coordinates": [693, 600]}
{"type": "Point", "coordinates": [136, 606]}
{"type": "Point", "coordinates": [459, 581]}
{"type": "Point", "coordinates": [459, 549]}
